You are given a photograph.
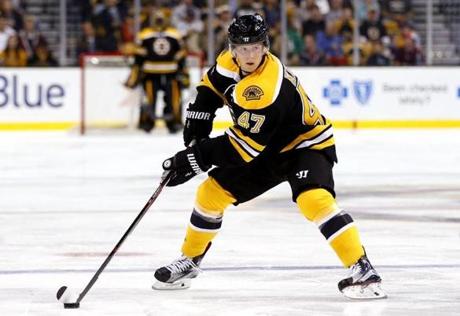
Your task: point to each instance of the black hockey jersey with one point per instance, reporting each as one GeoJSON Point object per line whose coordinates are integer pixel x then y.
{"type": "Point", "coordinates": [271, 111]}
{"type": "Point", "coordinates": [160, 51]}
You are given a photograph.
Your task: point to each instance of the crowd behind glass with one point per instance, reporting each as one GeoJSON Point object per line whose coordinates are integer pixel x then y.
{"type": "Point", "coordinates": [319, 32]}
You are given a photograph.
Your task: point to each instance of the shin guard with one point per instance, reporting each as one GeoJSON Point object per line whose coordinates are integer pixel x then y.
{"type": "Point", "coordinates": [206, 219]}
{"type": "Point", "coordinates": [337, 226]}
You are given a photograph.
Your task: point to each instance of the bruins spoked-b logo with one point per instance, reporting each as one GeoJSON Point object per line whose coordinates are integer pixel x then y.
{"type": "Point", "coordinates": [253, 93]}
{"type": "Point", "coordinates": [161, 46]}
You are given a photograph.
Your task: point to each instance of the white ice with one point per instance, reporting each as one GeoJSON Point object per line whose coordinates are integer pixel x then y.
{"type": "Point", "coordinates": [66, 200]}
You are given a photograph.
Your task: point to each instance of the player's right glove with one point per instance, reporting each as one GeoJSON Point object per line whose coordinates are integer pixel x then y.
{"type": "Point", "coordinates": [184, 165]}
{"type": "Point", "coordinates": [198, 125]}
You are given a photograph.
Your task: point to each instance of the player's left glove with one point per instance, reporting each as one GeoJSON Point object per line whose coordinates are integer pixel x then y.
{"type": "Point", "coordinates": [185, 165]}
{"type": "Point", "coordinates": [198, 124]}
{"type": "Point", "coordinates": [184, 80]}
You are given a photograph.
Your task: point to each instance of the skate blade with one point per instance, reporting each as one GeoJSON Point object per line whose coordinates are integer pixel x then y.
{"type": "Point", "coordinates": [178, 285]}
{"type": "Point", "coordinates": [371, 291]}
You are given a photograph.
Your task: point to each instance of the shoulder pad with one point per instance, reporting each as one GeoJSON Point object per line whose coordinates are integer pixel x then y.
{"type": "Point", "coordinates": [174, 33]}
{"type": "Point", "coordinates": [261, 88]}
{"type": "Point", "coordinates": [226, 66]}
{"type": "Point", "coordinates": [145, 33]}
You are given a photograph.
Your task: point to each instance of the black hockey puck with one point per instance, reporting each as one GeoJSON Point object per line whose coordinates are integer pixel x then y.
{"type": "Point", "coordinates": [71, 305]}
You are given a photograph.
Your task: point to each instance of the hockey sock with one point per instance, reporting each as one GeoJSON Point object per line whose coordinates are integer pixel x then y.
{"type": "Point", "coordinates": [206, 219]}
{"type": "Point", "coordinates": [337, 226]}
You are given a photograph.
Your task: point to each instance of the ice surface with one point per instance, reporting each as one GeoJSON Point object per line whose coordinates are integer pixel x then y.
{"type": "Point", "coordinates": [66, 200]}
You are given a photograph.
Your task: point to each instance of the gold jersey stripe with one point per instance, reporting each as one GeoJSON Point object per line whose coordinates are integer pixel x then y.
{"type": "Point", "coordinates": [240, 151]}
{"type": "Point", "coordinates": [319, 139]}
{"type": "Point", "coordinates": [248, 149]}
{"type": "Point", "coordinates": [247, 140]}
{"type": "Point", "coordinates": [326, 143]}
{"type": "Point", "coordinates": [306, 136]}
{"type": "Point", "coordinates": [160, 66]}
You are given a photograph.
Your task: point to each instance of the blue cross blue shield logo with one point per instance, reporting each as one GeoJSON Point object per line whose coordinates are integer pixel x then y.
{"type": "Point", "coordinates": [362, 91]}
{"type": "Point", "coordinates": [335, 92]}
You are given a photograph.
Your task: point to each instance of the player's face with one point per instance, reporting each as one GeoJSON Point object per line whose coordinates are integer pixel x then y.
{"type": "Point", "coordinates": [249, 56]}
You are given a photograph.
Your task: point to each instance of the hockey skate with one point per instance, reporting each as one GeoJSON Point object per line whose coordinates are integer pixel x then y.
{"type": "Point", "coordinates": [363, 282]}
{"type": "Point", "coordinates": [178, 274]}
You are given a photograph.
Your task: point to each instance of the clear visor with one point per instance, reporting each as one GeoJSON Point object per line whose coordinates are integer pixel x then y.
{"type": "Point", "coordinates": [248, 49]}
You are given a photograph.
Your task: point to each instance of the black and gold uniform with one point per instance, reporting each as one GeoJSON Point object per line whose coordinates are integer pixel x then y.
{"type": "Point", "coordinates": [160, 65]}
{"type": "Point", "coordinates": [273, 117]}
{"type": "Point", "coordinates": [278, 135]}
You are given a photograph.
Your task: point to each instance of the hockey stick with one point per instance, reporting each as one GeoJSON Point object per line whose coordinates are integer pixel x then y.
{"type": "Point", "coordinates": [68, 297]}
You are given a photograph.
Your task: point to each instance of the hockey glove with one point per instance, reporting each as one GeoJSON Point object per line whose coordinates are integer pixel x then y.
{"type": "Point", "coordinates": [183, 78]}
{"type": "Point", "coordinates": [198, 125]}
{"type": "Point", "coordinates": [184, 165]}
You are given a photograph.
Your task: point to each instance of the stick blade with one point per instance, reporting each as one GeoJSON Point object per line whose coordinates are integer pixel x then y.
{"type": "Point", "coordinates": [71, 305]}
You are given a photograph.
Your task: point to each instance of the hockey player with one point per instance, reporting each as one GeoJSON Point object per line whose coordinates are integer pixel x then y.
{"type": "Point", "coordinates": [278, 135]}
{"type": "Point", "coordinates": [160, 65]}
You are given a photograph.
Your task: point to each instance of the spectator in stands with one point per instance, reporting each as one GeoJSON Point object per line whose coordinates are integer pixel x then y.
{"type": "Point", "coordinates": [346, 23]}
{"type": "Point", "coordinates": [86, 8]}
{"type": "Point", "coordinates": [330, 44]}
{"type": "Point", "coordinates": [348, 47]}
{"type": "Point", "coordinates": [19, 4]}
{"type": "Point", "coordinates": [148, 6]}
{"type": "Point", "coordinates": [107, 24]}
{"type": "Point", "coordinates": [13, 55]}
{"type": "Point", "coordinates": [31, 36]}
{"type": "Point", "coordinates": [372, 27]}
{"type": "Point", "coordinates": [12, 14]}
{"type": "Point", "coordinates": [315, 22]}
{"type": "Point", "coordinates": [364, 6]}
{"type": "Point", "coordinates": [406, 31]}
{"type": "Point", "coordinates": [378, 56]}
{"type": "Point", "coordinates": [186, 18]}
{"type": "Point", "coordinates": [128, 29]}
{"type": "Point", "coordinates": [223, 21]}
{"type": "Point", "coordinates": [247, 7]}
{"type": "Point", "coordinates": [294, 39]}
{"type": "Point", "coordinates": [271, 12]}
{"type": "Point", "coordinates": [5, 32]}
{"type": "Point", "coordinates": [183, 11]}
{"type": "Point", "coordinates": [43, 58]}
{"type": "Point", "coordinates": [87, 43]}
{"type": "Point", "coordinates": [310, 56]}
{"type": "Point", "coordinates": [335, 12]}
{"type": "Point", "coordinates": [323, 6]}
{"type": "Point", "coordinates": [408, 55]}
{"type": "Point", "coordinates": [397, 10]}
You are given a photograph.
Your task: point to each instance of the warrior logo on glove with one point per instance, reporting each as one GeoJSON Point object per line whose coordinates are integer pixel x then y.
{"type": "Point", "coordinates": [185, 165]}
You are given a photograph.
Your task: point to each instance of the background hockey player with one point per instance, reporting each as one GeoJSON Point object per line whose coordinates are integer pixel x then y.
{"type": "Point", "coordinates": [160, 65]}
{"type": "Point", "coordinates": [278, 135]}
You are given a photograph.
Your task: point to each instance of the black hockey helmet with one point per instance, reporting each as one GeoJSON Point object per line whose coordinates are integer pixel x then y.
{"type": "Point", "coordinates": [248, 29]}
